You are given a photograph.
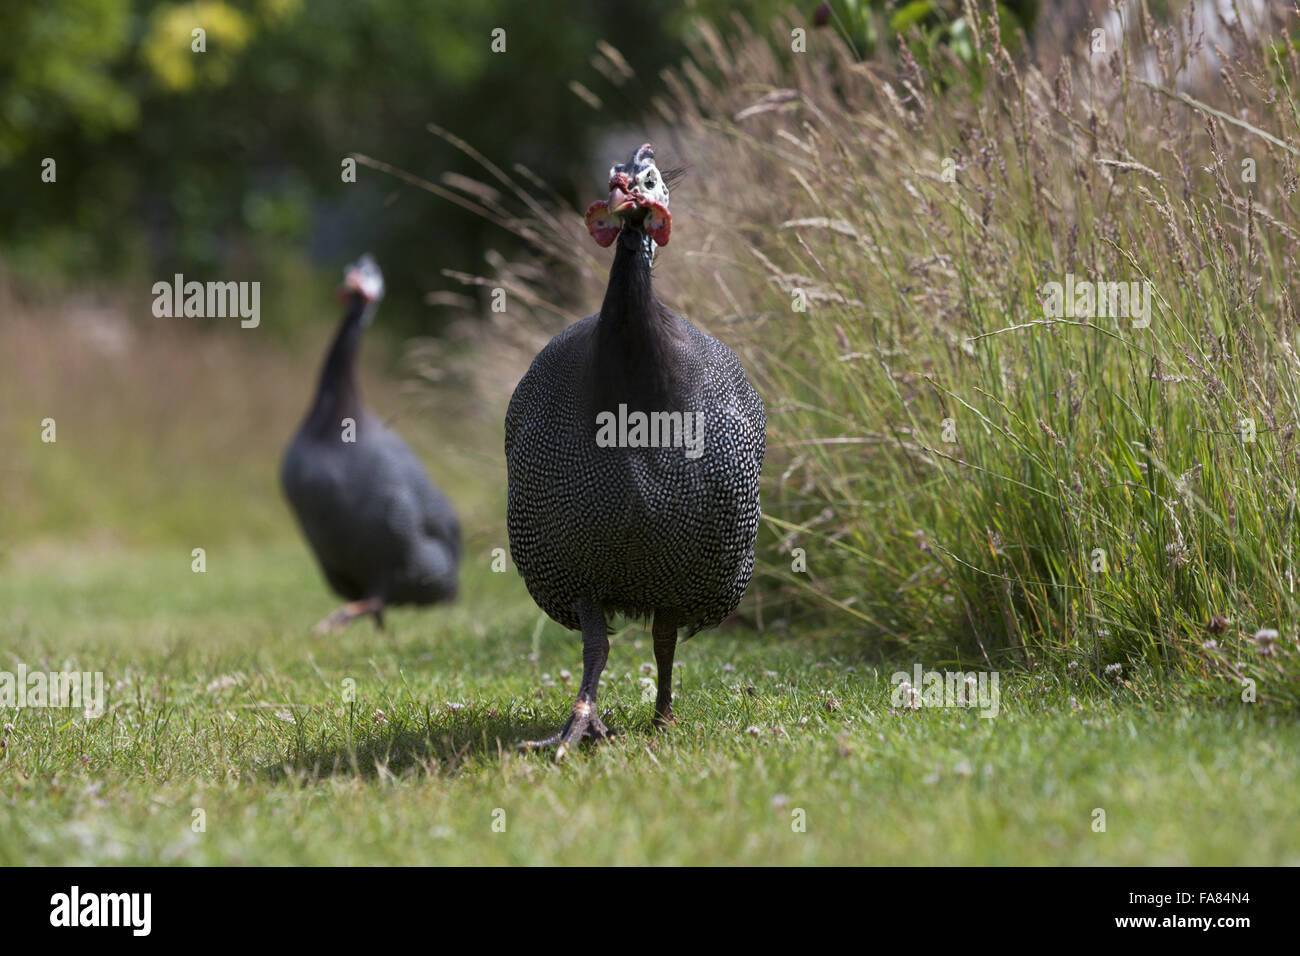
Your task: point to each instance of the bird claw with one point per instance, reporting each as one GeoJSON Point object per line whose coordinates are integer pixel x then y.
{"type": "Point", "coordinates": [583, 725]}
{"type": "Point", "coordinates": [349, 612]}
{"type": "Point", "coordinates": [332, 623]}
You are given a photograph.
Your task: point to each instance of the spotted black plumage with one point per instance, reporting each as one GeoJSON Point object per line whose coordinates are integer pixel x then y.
{"type": "Point", "coordinates": [639, 531]}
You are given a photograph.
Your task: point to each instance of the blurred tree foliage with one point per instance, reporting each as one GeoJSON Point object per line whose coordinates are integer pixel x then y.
{"type": "Point", "coordinates": [227, 162]}
{"type": "Point", "coordinates": [872, 27]}
{"type": "Point", "coordinates": [224, 162]}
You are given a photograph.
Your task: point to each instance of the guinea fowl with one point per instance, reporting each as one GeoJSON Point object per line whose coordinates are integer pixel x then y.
{"type": "Point", "coordinates": [633, 448]}
{"type": "Point", "coordinates": [383, 535]}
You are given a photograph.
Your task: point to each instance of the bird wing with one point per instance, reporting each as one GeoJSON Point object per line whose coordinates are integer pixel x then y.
{"type": "Point", "coordinates": [432, 512]}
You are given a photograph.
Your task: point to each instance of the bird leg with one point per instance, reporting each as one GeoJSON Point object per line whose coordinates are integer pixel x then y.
{"type": "Point", "coordinates": [665, 639]}
{"type": "Point", "coordinates": [584, 723]}
{"type": "Point", "coordinates": [350, 612]}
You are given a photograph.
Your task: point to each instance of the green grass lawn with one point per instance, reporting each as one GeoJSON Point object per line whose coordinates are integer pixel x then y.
{"type": "Point", "coordinates": [220, 699]}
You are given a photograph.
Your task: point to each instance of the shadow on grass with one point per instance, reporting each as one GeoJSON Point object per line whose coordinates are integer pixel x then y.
{"type": "Point", "coordinates": [444, 745]}
{"type": "Point", "coordinates": [444, 740]}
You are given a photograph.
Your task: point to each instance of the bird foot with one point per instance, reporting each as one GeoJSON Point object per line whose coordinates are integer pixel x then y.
{"type": "Point", "coordinates": [348, 613]}
{"type": "Point", "coordinates": [584, 724]}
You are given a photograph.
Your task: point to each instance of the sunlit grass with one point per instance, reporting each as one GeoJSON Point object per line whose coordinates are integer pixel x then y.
{"type": "Point", "coordinates": [219, 699]}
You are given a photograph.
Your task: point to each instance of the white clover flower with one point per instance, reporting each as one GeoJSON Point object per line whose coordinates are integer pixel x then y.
{"type": "Point", "coordinates": [1266, 641]}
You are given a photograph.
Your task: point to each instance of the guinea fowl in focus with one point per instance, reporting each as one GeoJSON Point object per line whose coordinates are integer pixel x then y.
{"type": "Point", "coordinates": [382, 533]}
{"type": "Point", "coordinates": [656, 516]}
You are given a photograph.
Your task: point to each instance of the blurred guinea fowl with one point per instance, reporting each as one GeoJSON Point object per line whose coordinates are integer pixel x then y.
{"type": "Point", "coordinates": [633, 448]}
{"type": "Point", "coordinates": [382, 533]}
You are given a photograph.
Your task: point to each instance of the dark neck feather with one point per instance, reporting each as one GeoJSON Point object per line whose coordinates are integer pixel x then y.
{"type": "Point", "coordinates": [634, 348]}
{"type": "Point", "coordinates": [337, 395]}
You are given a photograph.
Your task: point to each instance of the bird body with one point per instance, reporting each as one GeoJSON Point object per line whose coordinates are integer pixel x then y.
{"type": "Point", "coordinates": [398, 539]}
{"type": "Point", "coordinates": [633, 446]}
{"type": "Point", "coordinates": [381, 532]}
{"type": "Point", "coordinates": [634, 529]}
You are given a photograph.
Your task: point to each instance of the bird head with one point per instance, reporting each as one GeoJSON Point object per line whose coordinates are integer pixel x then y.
{"type": "Point", "coordinates": [363, 279]}
{"type": "Point", "coordinates": [638, 196]}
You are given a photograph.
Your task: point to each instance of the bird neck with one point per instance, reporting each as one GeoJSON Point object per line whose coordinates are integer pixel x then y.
{"type": "Point", "coordinates": [636, 335]}
{"type": "Point", "coordinates": [337, 395]}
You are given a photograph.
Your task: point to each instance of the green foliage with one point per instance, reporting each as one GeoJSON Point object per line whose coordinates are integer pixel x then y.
{"type": "Point", "coordinates": [57, 68]}
{"type": "Point", "coordinates": [926, 25]}
{"type": "Point", "coordinates": [215, 162]}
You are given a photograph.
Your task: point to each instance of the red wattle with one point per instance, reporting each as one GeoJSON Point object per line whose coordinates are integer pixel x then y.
{"type": "Point", "coordinates": [658, 223]}
{"type": "Point", "coordinates": [602, 224]}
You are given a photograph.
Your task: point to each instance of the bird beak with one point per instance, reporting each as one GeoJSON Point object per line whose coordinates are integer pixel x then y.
{"type": "Point", "coordinates": [605, 219]}
{"type": "Point", "coordinates": [351, 286]}
{"type": "Point", "coordinates": [620, 198]}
